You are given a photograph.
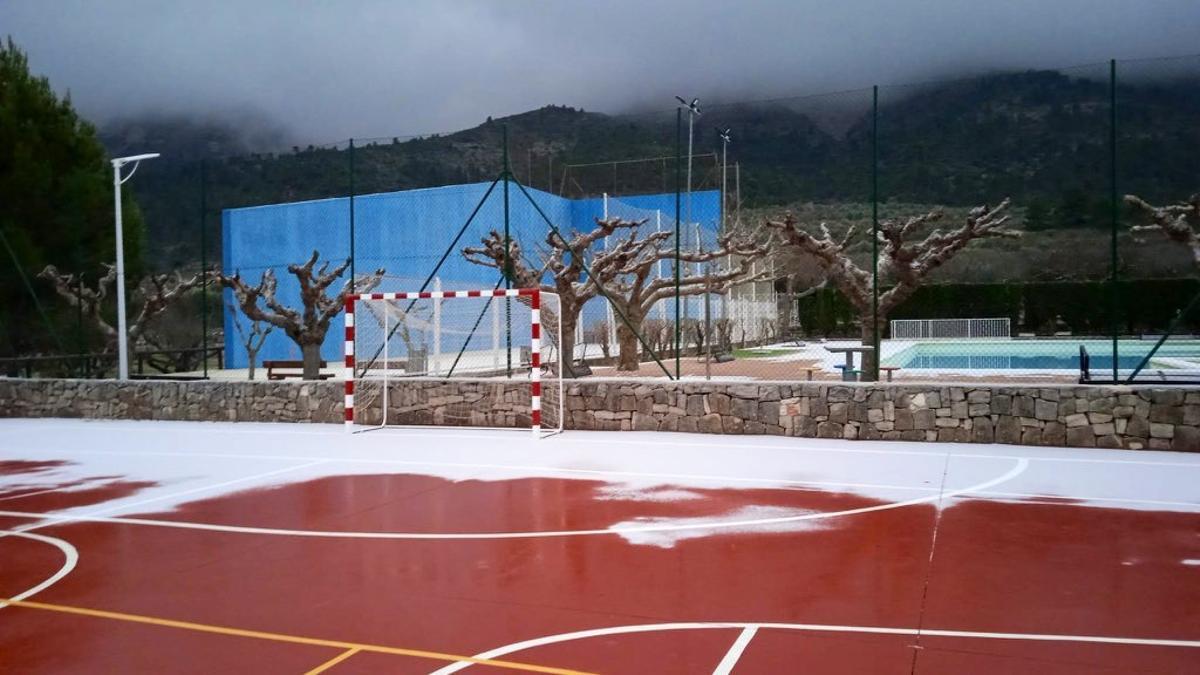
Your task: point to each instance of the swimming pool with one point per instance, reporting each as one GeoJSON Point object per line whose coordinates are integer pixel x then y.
{"type": "Point", "coordinates": [1037, 354]}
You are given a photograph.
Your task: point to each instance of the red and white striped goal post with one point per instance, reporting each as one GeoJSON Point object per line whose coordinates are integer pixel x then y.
{"type": "Point", "coordinates": [535, 328]}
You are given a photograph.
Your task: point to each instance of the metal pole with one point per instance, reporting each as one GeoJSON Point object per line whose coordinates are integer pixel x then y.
{"type": "Point", "coordinates": [678, 149]}
{"type": "Point", "coordinates": [352, 215]}
{"type": "Point", "coordinates": [691, 125]}
{"type": "Point", "coordinates": [708, 325]}
{"type": "Point", "coordinates": [1115, 209]}
{"type": "Point", "coordinates": [875, 342]}
{"type": "Point", "coordinates": [204, 280]}
{"type": "Point", "coordinates": [122, 338]}
{"type": "Point", "coordinates": [507, 265]}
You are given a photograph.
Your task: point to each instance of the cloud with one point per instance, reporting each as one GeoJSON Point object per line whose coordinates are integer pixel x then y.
{"type": "Point", "coordinates": [384, 68]}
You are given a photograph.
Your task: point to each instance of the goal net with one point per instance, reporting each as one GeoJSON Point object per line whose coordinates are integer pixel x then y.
{"type": "Point", "coordinates": [484, 359]}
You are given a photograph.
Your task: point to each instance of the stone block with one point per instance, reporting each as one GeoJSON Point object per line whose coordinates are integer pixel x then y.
{"type": "Point", "coordinates": [904, 420]}
{"type": "Point", "coordinates": [1031, 436]}
{"type": "Point", "coordinates": [829, 430]}
{"type": "Point", "coordinates": [695, 404]}
{"type": "Point", "coordinates": [983, 432]}
{"type": "Point", "coordinates": [1191, 415]}
{"type": "Point", "coordinates": [1045, 410]}
{"type": "Point", "coordinates": [709, 424]}
{"type": "Point", "coordinates": [768, 412]}
{"type": "Point", "coordinates": [979, 396]}
{"type": "Point", "coordinates": [719, 403]}
{"type": "Point", "coordinates": [1081, 437]}
{"type": "Point", "coordinates": [960, 409]}
{"type": "Point", "coordinates": [644, 422]}
{"type": "Point", "coordinates": [837, 413]}
{"type": "Point", "coordinates": [978, 410]}
{"type": "Point", "coordinates": [1104, 429]}
{"type": "Point", "coordinates": [946, 423]}
{"type": "Point", "coordinates": [746, 409]}
{"type": "Point", "coordinates": [850, 431]}
{"type": "Point", "coordinates": [839, 393]}
{"type": "Point", "coordinates": [923, 418]}
{"type": "Point", "coordinates": [1186, 439]}
{"type": "Point", "coordinates": [1138, 426]}
{"type": "Point", "coordinates": [1001, 404]}
{"type": "Point", "coordinates": [1165, 413]}
{"type": "Point", "coordinates": [1076, 420]}
{"type": "Point", "coordinates": [1023, 406]}
{"type": "Point", "coordinates": [732, 425]}
{"type": "Point", "coordinates": [1160, 430]}
{"type": "Point", "coordinates": [875, 415]}
{"type": "Point", "coordinates": [1054, 433]}
{"type": "Point", "coordinates": [1008, 429]}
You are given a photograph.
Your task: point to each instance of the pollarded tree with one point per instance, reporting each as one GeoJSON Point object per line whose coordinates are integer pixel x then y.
{"type": "Point", "coordinates": [626, 270]}
{"type": "Point", "coordinates": [564, 260]}
{"type": "Point", "coordinates": [153, 296]}
{"type": "Point", "coordinates": [306, 327]}
{"type": "Point", "coordinates": [905, 265]}
{"type": "Point", "coordinates": [1179, 222]}
{"type": "Point", "coordinates": [253, 340]}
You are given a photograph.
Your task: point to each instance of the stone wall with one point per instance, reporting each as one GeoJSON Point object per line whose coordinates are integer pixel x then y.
{"type": "Point", "coordinates": [1078, 416]}
{"type": "Point", "coordinates": [1093, 416]}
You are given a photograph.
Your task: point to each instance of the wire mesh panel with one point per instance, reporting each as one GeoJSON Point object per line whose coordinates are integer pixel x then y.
{"type": "Point", "coordinates": [479, 358]}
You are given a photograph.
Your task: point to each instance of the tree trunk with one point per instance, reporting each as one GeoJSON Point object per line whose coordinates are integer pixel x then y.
{"type": "Point", "coordinates": [566, 341]}
{"type": "Point", "coordinates": [869, 359]}
{"type": "Point", "coordinates": [627, 341]}
{"type": "Point", "coordinates": [312, 361]}
{"type": "Point", "coordinates": [251, 361]}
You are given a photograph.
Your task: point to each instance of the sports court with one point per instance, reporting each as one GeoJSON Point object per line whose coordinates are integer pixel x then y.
{"type": "Point", "coordinates": [180, 547]}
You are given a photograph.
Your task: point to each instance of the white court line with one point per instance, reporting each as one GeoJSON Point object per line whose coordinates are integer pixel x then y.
{"type": "Point", "coordinates": [70, 555]}
{"type": "Point", "coordinates": [770, 442]}
{"type": "Point", "coordinates": [813, 627]}
{"type": "Point", "coordinates": [735, 651]}
{"type": "Point", "coordinates": [92, 516]}
{"type": "Point", "coordinates": [1018, 468]}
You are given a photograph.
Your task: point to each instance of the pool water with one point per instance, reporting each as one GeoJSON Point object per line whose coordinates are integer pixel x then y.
{"type": "Point", "coordinates": [1036, 354]}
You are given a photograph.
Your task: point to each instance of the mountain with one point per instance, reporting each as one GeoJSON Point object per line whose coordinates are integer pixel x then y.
{"type": "Point", "coordinates": [1042, 138]}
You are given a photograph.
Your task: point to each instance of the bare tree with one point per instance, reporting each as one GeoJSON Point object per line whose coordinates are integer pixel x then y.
{"type": "Point", "coordinates": [253, 340]}
{"type": "Point", "coordinates": [626, 271]}
{"type": "Point", "coordinates": [307, 327]}
{"type": "Point", "coordinates": [153, 296]}
{"type": "Point", "coordinates": [1179, 222]}
{"type": "Point", "coordinates": [906, 264]}
{"type": "Point", "coordinates": [564, 260]}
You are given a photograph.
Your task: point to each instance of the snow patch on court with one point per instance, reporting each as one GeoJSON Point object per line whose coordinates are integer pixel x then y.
{"type": "Point", "coordinates": [627, 493]}
{"type": "Point", "coordinates": [637, 531]}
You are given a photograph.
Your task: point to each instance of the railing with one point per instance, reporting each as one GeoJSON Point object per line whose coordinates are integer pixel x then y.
{"type": "Point", "coordinates": [935, 329]}
{"type": "Point", "coordinates": [99, 364]}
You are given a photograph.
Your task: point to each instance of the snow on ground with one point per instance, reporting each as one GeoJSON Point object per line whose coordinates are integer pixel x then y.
{"type": "Point", "coordinates": [188, 461]}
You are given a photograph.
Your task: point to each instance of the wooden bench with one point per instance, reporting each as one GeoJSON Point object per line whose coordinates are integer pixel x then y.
{"type": "Point", "coordinates": [290, 368]}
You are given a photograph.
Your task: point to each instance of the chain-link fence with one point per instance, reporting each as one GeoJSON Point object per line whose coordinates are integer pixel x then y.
{"type": "Point", "coordinates": [976, 229]}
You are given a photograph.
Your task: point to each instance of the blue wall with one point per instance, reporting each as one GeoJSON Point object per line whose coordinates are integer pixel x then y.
{"type": "Point", "coordinates": [406, 233]}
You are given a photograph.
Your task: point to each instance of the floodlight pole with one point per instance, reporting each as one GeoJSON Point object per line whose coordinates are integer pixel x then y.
{"type": "Point", "coordinates": [122, 337]}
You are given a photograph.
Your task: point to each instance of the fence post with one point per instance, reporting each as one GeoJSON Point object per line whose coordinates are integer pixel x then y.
{"type": "Point", "coordinates": [1115, 209]}
{"type": "Point", "coordinates": [508, 269]}
{"type": "Point", "coordinates": [678, 160]}
{"type": "Point", "coordinates": [352, 261]}
{"type": "Point", "coordinates": [204, 280]}
{"type": "Point", "coordinates": [875, 341]}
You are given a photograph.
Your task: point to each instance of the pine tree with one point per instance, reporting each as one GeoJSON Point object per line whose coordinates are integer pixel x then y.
{"type": "Point", "coordinates": [55, 199]}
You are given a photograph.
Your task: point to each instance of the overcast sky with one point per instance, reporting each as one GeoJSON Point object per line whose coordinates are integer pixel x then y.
{"type": "Point", "coordinates": [335, 69]}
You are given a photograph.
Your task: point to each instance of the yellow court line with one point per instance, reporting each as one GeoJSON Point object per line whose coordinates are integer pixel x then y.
{"type": "Point", "coordinates": [283, 637]}
{"type": "Point", "coordinates": [334, 661]}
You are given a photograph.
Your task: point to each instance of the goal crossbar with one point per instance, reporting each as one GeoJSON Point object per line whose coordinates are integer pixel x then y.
{"type": "Point", "coordinates": [532, 298]}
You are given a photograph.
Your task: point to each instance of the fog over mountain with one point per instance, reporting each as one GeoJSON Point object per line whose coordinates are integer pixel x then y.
{"type": "Point", "coordinates": [367, 68]}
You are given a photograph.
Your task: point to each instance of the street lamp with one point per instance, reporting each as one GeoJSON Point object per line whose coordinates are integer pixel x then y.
{"type": "Point", "coordinates": [122, 338]}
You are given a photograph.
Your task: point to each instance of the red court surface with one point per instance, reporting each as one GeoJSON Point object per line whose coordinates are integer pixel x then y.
{"type": "Point", "coordinates": [201, 547]}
